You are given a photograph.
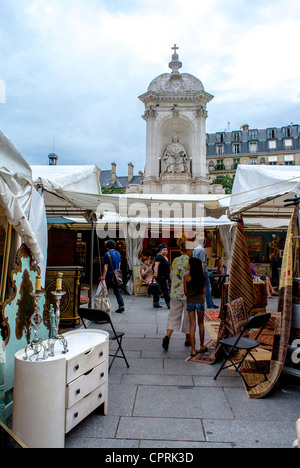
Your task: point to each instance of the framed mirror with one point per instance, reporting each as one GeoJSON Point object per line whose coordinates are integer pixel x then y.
{"type": "Point", "coordinates": [5, 246]}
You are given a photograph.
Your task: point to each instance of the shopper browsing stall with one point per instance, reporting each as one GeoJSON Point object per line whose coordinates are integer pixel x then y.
{"type": "Point", "coordinates": [178, 319]}
{"type": "Point", "coordinates": [194, 288]}
{"type": "Point", "coordinates": [112, 262]}
{"type": "Point", "coordinates": [162, 275]}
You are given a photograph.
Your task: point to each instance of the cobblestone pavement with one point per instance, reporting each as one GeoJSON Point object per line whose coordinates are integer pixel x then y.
{"type": "Point", "coordinates": [162, 401]}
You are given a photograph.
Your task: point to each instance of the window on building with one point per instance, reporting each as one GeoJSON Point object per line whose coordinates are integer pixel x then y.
{"type": "Point", "coordinates": [236, 136]}
{"type": "Point", "coordinates": [253, 161]}
{"type": "Point", "coordinates": [220, 149]}
{"type": "Point", "coordinates": [287, 132]}
{"type": "Point", "coordinates": [272, 144]}
{"type": "Point", "coordinates": [273, 160]}
{"type": "Point", "coordinates": [236, 148]}
{"type": "Point", "coordinates": [289, 160]}
{"type": "Point", "coordinates": [288, 143]}
{"type": "Point", "coordinates": [220, 165]}
{"type": "Point", "coordinates": [236, 162]}
{"type": "Point", "coordinates": [271, 132]}
{"type": "Point", "coordinates": [253, 134]}
{"type": "Point", "coordinates": [253, 147]}
{"type": "Point", "coordinates": [220, 137]}
{"type": "Point", "coordinates": [263, 160]}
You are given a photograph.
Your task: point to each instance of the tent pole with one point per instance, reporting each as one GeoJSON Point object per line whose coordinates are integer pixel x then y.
{"type": "Point", "coordinates": [92, 264]}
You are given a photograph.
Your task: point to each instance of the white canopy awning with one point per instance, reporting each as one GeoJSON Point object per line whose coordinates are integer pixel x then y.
{"type": "Point", "coordinates": [149, 206]}
{"type": "Point", "coordinates": [68, 189]}
{"type": "Point", "coordinates": [262, 186]}
{"type": "Point", "coordinates": [204, 222]}
{"type": "Point", "coordinates": [71, 190]}
{"type": "Point", "coordinates": [23, 206]}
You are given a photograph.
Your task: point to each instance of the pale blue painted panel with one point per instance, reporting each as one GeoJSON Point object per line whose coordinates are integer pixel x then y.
{"type": "Point", "coordinates": [10, 313]}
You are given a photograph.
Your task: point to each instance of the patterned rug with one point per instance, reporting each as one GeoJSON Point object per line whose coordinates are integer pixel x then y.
{"type": "Point", "coordinates": [284, 319]}
{"type": "Point", "coordinates": [238, 297]}
{"type": "Point", "coordinates": [240, 279]}
{"type": "Point", "coordinates": [232, 319]}
{"type": "Point", "coordinates": [212, 324]}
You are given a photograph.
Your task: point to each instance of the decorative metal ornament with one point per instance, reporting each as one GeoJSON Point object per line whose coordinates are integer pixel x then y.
{"type": "Point", "coordinates": [57, 337]}
{"type": "Point", "coordinates": [38, 349]}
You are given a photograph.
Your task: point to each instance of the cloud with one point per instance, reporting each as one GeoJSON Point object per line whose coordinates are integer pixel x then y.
{"type": "Point", "coordinates": [2, 92]}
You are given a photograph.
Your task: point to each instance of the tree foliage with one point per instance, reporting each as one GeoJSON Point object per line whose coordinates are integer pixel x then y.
{"type": "Point", "coordinates": [113, 190]}
{"type": "Point", "coordinates": [226, 182]}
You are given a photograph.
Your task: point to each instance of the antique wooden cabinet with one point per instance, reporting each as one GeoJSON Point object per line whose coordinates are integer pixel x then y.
{"type": "Point", "coordinates": [71, 286]}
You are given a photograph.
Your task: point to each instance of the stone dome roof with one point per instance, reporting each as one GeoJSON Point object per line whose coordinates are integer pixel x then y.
{"type": "Point", "coordinates": [176, 83]}
{"type": "Point", "coordinates": [176, 86]}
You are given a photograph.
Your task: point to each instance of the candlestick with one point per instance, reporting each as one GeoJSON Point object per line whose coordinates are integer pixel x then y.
{"type": "Point", "coordinates": [36, 346]}
{"type": "Point", "coordinates": [59, 281]}
{"type": "Point", "coordinates": [52, 322]}
{"type": "Point", "coordinates": [57, 337]}
{"type": "Point", "coordinates": [38, 284]}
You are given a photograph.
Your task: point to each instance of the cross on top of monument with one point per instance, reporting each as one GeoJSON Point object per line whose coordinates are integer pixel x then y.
{"type": "Point", "coordinates": [175, 65]}
{"type": "Point", "coordinates": [175, 48]}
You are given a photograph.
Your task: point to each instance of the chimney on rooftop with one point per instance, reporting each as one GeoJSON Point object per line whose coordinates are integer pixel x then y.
{"type": "Point", "coordinates": [113, 173]}
{"type": "Point", "coordinates": [245, 127]}
{"type": "Point", "coordinates": [130, 171]}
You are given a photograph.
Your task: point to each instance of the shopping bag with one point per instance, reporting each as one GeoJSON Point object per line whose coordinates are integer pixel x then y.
{"type": "Point", "coordinates": [101, 301]}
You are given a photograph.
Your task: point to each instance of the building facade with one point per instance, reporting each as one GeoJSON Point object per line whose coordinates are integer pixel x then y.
{"type": "Point", "coordinates": [112, 183]}
{"type": "Point", "coordinates": [271, 146]}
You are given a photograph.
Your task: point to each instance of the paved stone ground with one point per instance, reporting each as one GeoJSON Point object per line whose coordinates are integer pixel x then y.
{"type": "Point", "coordinates": [161, 401]}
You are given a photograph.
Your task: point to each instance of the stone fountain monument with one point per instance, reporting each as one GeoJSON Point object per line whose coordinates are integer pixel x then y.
{"type": "Point", "coordinates": [175, 115]}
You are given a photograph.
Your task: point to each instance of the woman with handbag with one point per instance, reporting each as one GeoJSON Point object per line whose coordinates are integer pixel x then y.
{"type": "Point", "coordinates": [112, 263]}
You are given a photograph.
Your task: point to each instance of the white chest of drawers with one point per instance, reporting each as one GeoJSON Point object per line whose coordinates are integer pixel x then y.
{"type": "Point", "coordinates": [51, 397]}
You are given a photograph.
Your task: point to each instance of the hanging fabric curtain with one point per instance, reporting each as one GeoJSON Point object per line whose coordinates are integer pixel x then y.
{"type": "Point", "coordinates": [227, 233]}
{"type": "Point", "coordinates": [134, 245]}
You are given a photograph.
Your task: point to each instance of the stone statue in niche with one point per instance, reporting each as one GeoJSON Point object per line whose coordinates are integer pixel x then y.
{"type": "Point", "coordinates": [175, 159]}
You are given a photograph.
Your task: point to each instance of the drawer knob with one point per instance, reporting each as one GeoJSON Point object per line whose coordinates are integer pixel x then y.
{"type": "Point", "coordinates": [75, 415]}
{"type": "Point", "coordinates": [78, 392]}
{"type": "Point", "coordinates": [102, 375]}
{"type": "Point", "coordinates": [76, 368]}
{"type": "Point", "coordinates": [101, 354]}
{"type": "Point", "coordinates": [100, 395]}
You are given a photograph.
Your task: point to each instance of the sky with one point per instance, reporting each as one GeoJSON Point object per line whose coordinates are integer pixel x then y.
{"type": "Point", "coordinates": [71, 71]}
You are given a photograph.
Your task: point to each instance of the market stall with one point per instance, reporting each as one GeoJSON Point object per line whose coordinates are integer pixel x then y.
{"type": "Point", "coordinates": [73, 192]}
{"type": "Point", "coordinates": [263, 191]}
{"type": "Point", "coordinates": [23, 256]}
